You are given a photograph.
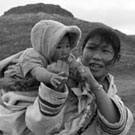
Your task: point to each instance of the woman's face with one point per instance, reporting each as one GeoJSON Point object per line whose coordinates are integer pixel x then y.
{"type": "Point", "coordinates": [97, 57]}
{"type": "Point", "coordinates": [62, 50]}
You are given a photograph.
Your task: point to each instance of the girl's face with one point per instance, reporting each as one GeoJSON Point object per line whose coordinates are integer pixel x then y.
{"type": "Point", "coordinates": [62, 50]}
{"type": "Point", "coordinates": [97, 57]}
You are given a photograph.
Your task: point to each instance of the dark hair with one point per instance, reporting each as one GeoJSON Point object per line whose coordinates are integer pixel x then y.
{"type": "Point", "coordinates": [108, 36]}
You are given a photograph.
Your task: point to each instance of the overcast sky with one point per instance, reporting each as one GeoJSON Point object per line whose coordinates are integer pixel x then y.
{"type": "Point", "coordinates": [119, 14]}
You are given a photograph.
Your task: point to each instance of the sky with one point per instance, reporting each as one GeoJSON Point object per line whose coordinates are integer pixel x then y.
{"type": "Point", "coordinates": [118, 14]}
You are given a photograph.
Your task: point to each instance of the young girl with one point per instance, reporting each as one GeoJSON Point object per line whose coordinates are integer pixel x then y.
{"type": "Point", "coordinates": [52, 42]}
{"type": "Point", "coordinates": [90, 106]}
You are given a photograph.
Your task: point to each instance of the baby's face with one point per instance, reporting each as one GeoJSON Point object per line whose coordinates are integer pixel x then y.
{"type": "Point", "coordinates": [62, 50]}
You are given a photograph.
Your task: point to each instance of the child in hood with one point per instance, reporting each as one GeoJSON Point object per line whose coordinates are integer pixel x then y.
{"type": "Point", "coordinates": [51, 41]}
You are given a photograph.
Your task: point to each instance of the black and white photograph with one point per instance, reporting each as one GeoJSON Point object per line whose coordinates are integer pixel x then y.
{"type": "Point", "coordinates": [67, 67]}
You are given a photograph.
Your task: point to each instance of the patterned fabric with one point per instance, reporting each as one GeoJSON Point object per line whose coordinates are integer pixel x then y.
{"type": "Point", "coordinates": [74, 113]}
{"type": "Point", "coordinates": [78, 113]}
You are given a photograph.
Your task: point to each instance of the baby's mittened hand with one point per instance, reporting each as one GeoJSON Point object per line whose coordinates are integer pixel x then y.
{"type": "Point", "coordinates": [71, 61]}
{"type": "Point", "coordinates": [74, 64]}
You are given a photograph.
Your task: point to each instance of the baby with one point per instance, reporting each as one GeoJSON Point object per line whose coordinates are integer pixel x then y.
{"type": "Point", "coordinates": [51, 41]}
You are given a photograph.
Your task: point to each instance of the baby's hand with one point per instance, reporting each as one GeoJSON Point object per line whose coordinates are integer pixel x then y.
{"type": "Point", "coordinates": [58, 80]}
{"type": "Point", "coordinates": [60, 73]}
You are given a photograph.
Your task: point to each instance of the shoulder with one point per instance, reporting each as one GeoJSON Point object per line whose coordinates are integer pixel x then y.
{"type": "Point", "coordinates": [30, 55]}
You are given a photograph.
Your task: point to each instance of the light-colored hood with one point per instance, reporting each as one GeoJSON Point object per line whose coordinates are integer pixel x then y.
{"type": "Point", "coordinates": [46, 35]}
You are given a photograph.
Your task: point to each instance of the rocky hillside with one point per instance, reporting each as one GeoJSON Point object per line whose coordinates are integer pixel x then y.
{"type": "Point", "coordinates": [40, 7]}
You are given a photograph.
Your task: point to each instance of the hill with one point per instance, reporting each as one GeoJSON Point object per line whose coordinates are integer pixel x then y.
{"type": "Point", "coordinates": [40, 7]}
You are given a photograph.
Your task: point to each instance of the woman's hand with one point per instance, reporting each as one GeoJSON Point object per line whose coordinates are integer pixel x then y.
{"type": "Point", "coordinates": [86, 75]}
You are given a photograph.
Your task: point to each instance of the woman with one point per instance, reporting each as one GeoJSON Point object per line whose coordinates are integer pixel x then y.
{"type": "Point", "coordinates": [88, 105]}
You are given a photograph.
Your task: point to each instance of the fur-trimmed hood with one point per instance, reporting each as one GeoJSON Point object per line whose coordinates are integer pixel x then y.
{"type": "Point", "coordinates": [46, 34]}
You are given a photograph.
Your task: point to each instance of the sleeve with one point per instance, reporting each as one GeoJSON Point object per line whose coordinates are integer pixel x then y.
{"type": "Point", "coordinates": [30, 59]}
{"type": "Point", "coordinates": [45, 116]}
{"type": "Point", "coordinates": [12, 116]}
{"type": "Point", "coordinates": [125, 122]}
{"type": "Point", "coordinates": [9, 60]}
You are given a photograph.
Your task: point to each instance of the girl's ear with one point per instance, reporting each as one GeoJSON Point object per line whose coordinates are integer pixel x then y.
{"type": "Point", "coordinates": [119, 56]}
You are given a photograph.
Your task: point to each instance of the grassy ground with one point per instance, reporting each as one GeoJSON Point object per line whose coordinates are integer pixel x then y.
{"type": "Point", "coordinates": [126, 90]}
